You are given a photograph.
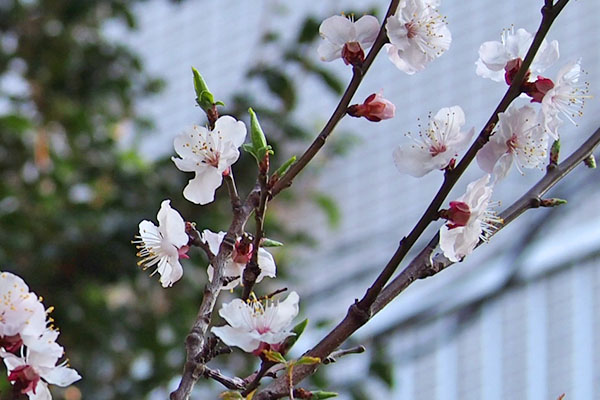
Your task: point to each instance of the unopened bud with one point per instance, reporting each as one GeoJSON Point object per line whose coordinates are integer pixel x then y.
{"type": "Point", "coordinates": [552, 202]}
{"type": "Point", "coordinates": [555, 152]}
{"type": "Point", "coordinates": [375, 108]}
{"type": "Point", "coordinates": [590, 161]}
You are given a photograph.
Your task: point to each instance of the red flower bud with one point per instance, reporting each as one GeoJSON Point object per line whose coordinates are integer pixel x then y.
{"type": "Point", "coordinates": [375, 108]}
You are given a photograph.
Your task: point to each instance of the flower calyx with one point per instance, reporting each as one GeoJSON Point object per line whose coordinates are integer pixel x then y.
{"type": "Point", "coordinates": [457, 215]}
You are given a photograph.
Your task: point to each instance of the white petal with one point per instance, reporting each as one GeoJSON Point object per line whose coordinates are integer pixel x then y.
{"type": "Point", "coordinates": [170, 271]}
{"type": "Point", "coordinates": [338, 30]}
{"type": "Point", "coordinates": [546, 56]}
{"type": "Point", "coordinates": [328, 51]}
{"type": "Point", "coordinates": [230, 130]}
{"type": "Point", "coordinates": [266, 264]}
{"type": "Point", "coordinates": [397, 32]}
{"type": "Point", "coordinates": [186, 164]}
{"type": "Point", "coordinates": [213, 240]}
{"type": "Point", "coordinates": [183, 142]}
{"type": "Point", "coordinates": [172, 225]}
{"type": "Point", "coordinates": [41, 392]}
{"type": "Point", "coordinates": [490, 154]}
{"type": "Point", "coordinates": [413, 160]}
{"type": "Point", "coordinates": [201, 189]}
{"type": "Point", "coordinates": [503, 166]}
{"type": "Point", "coordinates": [286, 312]}
{"type": "Point", "coordinates": [11, 361]}
{"type": "Point", "coordinates": [60, 375]}
{"type": "Point", "coordinates": [237, 314]}
{"type": "Point", "coordinates": [234, 337]}
{"type": "Point", "coordinates": [367, 29]}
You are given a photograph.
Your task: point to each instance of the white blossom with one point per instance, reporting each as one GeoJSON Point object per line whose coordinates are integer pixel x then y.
{"type": "Point", "coordinates": [233, 268]}
{"type": "Point", "coordinates": [35, 370]}
{"type": "Point", "coordinates": [493, 55]}
{"type": "Point", "coordinates": [161, 246]}
{"type": "Point", "coordinates": [418, 34]}
{"type": "Point", "coordinates": [437, 146]}
{"type": "Point", "coordinates": [347, 39]}
{"type": "Point", "coordinates": [457, 242]}
{"type": "Point", "coordinates": [520, 137]}
{"type": "Point", "coordinates": [567, 97]}
{"type": "Point", "coordinates": [253, 323]}
{"type": "Point", "coordinates": [22, 315]}
{"type": "Point", "coordinates": [209, 154]}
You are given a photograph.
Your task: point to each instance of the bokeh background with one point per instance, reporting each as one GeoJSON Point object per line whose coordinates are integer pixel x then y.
{"type": "Point", "coordinates": [92, 94]}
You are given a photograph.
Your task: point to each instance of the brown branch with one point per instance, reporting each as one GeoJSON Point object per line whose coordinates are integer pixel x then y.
{"type": "Point", "coordinates": [360, 312]}
{"type": "Point", "coordinates": [252, 270]}
{"type": "Point", "coordinates": [357, 75]}
{"type": "Point", "coordinates": [196, 343]}
{"type": "Point", "coordinates": [234, 383]}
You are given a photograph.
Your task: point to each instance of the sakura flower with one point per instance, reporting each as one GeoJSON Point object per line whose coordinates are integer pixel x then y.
{"type": "Point", "coordinates": [418, 34]}
{"type": "Point", "coordinates": [209, 154]}
{"type": "Point", "coordinates": [22, 315]}
{"type": "Point", "coordinates": [437, 146]}
{"type": "Point", "coordinates": [254, 325]}
{"type": "Point", "coordinates": [32, 373]}
{"type": "Point", "coordinates": [494, 56]}
{"type": "Point", "coordinates": [567, 97]}
{"type": "Point", "coordinates": [162, 246]}
{"type": "Point", "coordinates": [375, 108]}
{"type": "Point", "coordinates": [519, 138]}
{"type": "Point", "coordinates": [469, 220]}
{"type": "Point", "coordinates": [234, 266]}
{"type": "Point", "coordinates": [346, 39]}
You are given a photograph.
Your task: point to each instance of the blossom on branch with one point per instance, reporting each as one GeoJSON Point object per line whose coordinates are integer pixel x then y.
{"type": "Point", "coordinates": [520, 137]}
{"type": "Point", "coordinates": [347, 39]}
{"type": "Point", "coordinates": [567, 97]}
{"type": "Point", "coordinates": [375, 108]}
{"type": "Point", "coordinates": [32, 373]}
{"type": "Point", "coordinates": [234, 266]}
{"type": "Point", "coordinates": [163, 245]}
{"type": "Point", "coordinates": [437, 146]}
{"type": "Point", "coordinates": [208, 153]}
{"type": "Point", "coordinates": [494, 57]}
{"type": "Point", "coordinates": [418, 34]}
{"type": "Point", "coordinates": [469, 220]}
{"type": "Point", "coordinates": [254, 326]}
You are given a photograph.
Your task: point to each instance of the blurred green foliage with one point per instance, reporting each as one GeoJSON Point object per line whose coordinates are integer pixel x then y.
{"type": "Point", "coordinates": [71, 196]}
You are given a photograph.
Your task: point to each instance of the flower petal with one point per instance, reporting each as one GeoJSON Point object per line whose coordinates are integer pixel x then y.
{"type": "Point", "coordinates": [338, 30]}
{"type": "Point", "coordinates": [201, 189]}
{"type": "Point", "coordinates": [233, 337]}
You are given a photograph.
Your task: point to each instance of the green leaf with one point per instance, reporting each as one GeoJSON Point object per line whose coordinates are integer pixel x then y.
{"type": "Point", "coordinates": [249, 148]}
{"type": "Point", "coordinates": [266, 242]}
{"type": "Point", "coordinates": [274, 356]}
{"type": "Point", "coordinates": [204, 97]}
{"type": "Point", "coordinates": [329, 207]}
{"type": "Point", "coordinates": [290, 341]}
{"type": "Point", "coordinates": [286, 165]}
{"type": "Point", "coordinates": [319, 394]}
{"type": "Point", "coordinates": [309, 30]}
{"type": "Point", "coordinates": [308, 361]}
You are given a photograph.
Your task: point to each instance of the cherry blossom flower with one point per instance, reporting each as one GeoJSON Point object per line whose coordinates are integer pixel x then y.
{"type": "Point", "coordinates": [254, 325]}
{"type": "Point", "coordinates": [459, 238]}
{"type": "Point", "coordinates": [418, 34]}
{"type": "Point", "coordinates": [32, 373]}
{"type": "Point", "coordinates": [163, 245]}
{"type": "Point", "coordinates": [234, 266]}
{"type": "Point", "coordinates": [494, 56]}
{"type": "Point", "coordinates": [209, 154]}
{"type": "Point", "coordinates": [346, 39]}
{"type": "Point", "coordinates": [375, 108]}
{"type": "Point", "coordinates": [520, 137]}
{"type": "Point", "coordinates": [567, 97]}
{"type": "Point", "coordinates": [22, 315]}
{"type": "Point", "coordinates": [437, 146]}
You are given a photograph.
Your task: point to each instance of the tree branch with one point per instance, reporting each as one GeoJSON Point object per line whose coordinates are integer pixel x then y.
{"type": "Point", "coordinates": [360, 312]}
{"type": "Point", "coordinates": [196, 344]}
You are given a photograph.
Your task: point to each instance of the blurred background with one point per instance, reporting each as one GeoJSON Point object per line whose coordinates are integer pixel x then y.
{"type": "Point", "coordinates": [93, 92]}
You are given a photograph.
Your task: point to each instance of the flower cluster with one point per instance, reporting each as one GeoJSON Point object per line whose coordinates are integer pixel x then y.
{"type": "Point", "coordinates": [417, 34]}
{"type": "Point", "coordinates": [28, 341]}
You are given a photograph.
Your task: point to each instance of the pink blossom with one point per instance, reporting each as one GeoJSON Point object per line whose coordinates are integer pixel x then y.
{"type": "Point", "coordinates": [375, 108]}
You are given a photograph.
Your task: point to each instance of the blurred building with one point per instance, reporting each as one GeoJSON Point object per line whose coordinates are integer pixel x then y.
{"type": "Point", "coordinates": [519, 318]}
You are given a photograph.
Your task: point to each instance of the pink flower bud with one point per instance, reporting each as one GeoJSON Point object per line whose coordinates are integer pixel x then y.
{"type": "Point", "coordinates": [511, 68]}
{"type": "Point", "coordinates": [458, 214]}
{"type": "Point", "coordinates": [242, 253]}
{"type": "Point", "coordinates": [12, 343]}
{"type": "Point", "coordinates": [375, 108]}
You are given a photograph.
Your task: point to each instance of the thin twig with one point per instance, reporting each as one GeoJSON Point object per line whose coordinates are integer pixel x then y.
{"type": "Point", "coordinates": [234, 383]}
{"type": "Point", "coordinates": [343, 352]}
